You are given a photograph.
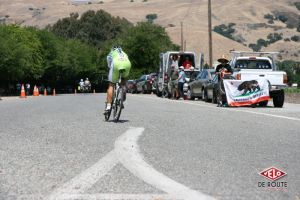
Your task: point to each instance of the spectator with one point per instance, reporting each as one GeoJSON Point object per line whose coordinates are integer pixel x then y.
{"type": "Point", "coordinates": [174, 83]}
{"type": "Point", "coordinates": [187, 63]}
{"type": "Point", "coordinates": [18, 87]}
{"type": "Point", "coordinates": [181, 80]}
{"type": "Point", "coordinates": [174, 63]}
{"type": "Point", "coordinates": [27, 89]}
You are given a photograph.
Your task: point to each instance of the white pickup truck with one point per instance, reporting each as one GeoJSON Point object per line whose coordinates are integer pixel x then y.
{"type": "Point", "coordinates": [253, 65]}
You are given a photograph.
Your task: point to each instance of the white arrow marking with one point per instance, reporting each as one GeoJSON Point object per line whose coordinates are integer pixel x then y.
{"type": "Point", "coordinates": [127, 153]}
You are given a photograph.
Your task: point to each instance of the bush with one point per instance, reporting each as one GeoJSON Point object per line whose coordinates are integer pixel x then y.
{"type": "Point", "coordinates": [297, 4]}
{"type": "Point", "coordinates": [295, 38]}
{"type": "Point", "coordinates": [282, 18]}
{"type": "Point", "coordinates": [226, 31]}
{"type": "Point", "coordinates": [274, 37]}
{"type": "Point", "coordinates": [255, 47]}
{"type": "Point", "coordinates": [270, 18]}
{"type": "Point", "coordinates": [151, 17]}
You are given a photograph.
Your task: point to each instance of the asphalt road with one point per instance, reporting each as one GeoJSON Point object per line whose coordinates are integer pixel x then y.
{"type": "Point", "coordinates": [61, 148]}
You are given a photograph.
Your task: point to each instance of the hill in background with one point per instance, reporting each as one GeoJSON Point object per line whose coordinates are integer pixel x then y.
{"type": "Point", "coordinates": [244, 22]}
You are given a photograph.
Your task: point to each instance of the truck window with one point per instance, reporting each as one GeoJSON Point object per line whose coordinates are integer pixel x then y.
{"type": "Point", "coordinates": [252, 64]}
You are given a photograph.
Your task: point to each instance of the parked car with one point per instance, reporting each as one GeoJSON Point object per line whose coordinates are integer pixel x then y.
{"type": "Point", "coordinates": [131, 86]}
{"type": "Point", "coordinates": [195, 89]}
{"type": "Point", "coordinates": [143, 84]}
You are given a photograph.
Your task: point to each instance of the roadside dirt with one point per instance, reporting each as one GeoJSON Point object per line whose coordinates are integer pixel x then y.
{"type": "Point", "coordinates": [292, 98]}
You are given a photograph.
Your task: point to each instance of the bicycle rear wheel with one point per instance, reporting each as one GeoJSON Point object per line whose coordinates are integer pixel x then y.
{"type": "Point", "coordinates": [118, 104]}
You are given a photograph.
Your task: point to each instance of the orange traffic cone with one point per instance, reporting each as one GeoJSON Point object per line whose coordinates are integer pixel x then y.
{"type": "Point", "coordinates": [35, 91]}
{"type": "Point", "coordinates": [23, 94]}
{"type": "Point", "coordinates": [54, 92]}
{"type": "Point", "coordinates": [45, 92]}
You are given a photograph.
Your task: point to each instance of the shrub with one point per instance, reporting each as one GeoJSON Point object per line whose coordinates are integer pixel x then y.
{"type": "Point", "coordinates": [297, 4]}
{"type": "Point", "coordinates": [151, 17]}
{"type": "Point", "coordinates": [295, 38]}
{"type": "Point", "coordinates": [282, 18]}
{"type": "Point", "coordinates": [224, 30]}
{"type": "Point", "coordinates": [255, 47]}
{"type": "Point", "coordinates": [269, 16]}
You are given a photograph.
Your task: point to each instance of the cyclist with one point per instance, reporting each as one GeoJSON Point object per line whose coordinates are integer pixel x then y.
{"type": "Point", "coordinates": [117, 60]}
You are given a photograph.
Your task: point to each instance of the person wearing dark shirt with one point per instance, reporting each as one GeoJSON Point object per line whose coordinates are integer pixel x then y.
{"type": "Point", "coordinates": [224, 64]}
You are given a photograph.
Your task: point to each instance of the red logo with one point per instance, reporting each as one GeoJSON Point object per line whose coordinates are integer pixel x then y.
{"type": "Point", "coordinates": [272, 173]}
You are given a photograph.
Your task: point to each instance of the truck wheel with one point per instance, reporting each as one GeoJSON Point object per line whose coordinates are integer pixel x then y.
{"type": "Point", "coordinates": [214, 98]}
{"type": "Point", "coordinates": [158, 93]}
{"type": "Point", "coordinates": [278, 99]}
{"type": "Point", "coordinates": [263, 103]}
{"type": "Point", "coordinates": [206, 97]}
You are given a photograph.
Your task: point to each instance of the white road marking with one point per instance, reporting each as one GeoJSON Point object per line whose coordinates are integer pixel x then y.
{"type": "Point", "coordinates": [86, 179]}
{"type": "Point", "coordinates": [106, 196]}
{"type": "Point", "coordinates": [127, 153]}
{"type": "Point", "coordinates": [226, 109]}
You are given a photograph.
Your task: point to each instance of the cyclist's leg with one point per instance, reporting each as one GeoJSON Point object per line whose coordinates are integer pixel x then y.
{"type": "Point", "coordinates": [111, 78]}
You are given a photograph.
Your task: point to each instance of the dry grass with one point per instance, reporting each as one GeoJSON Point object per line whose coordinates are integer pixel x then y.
{"type": "Point", "coordinates": [193, 13]}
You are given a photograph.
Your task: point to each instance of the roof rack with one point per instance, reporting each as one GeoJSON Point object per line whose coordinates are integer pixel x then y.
{"type": "Point", "coordinates": [249, 53]}
{"type": "Point", "coordinates": [271, 55]}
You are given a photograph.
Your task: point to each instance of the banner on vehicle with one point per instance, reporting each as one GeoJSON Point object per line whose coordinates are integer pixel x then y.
{"type": "Point", "coordinates": [242, 93]}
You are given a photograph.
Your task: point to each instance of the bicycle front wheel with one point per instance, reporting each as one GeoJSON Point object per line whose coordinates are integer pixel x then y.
{"type": "Point", "coordinates": [118, 104]}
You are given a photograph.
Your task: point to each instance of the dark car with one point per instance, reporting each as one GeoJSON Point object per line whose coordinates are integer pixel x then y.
{"type": "Point", "coordinates": [196, 87]}
{"type": "Point", "coordinates": [210, 89]}
{"type": "Point", "coordinates": [131, 86]}
{"type": "Point", "coordinates": [143, 85]}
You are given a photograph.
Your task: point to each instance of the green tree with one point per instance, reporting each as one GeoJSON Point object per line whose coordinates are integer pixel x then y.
{"type": "Point", "coordinates": [20, 54]}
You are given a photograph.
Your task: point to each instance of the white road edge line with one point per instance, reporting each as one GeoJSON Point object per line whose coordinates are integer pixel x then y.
{"type": "Point", "coordinates": [226, 109]}
{"type": "Point", "coordinates": [127, 151]}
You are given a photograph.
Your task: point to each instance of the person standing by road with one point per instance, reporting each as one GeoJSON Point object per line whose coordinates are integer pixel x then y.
{"type": "Point", "coordinates": [27, 89]}
{"type": "Point", "coordinates": [174, 63]}
{"type": "Point", "coordinates": [181, 80]}
{"type": "Point", "coordinates": [223, 66]}
{"type": "Point", "coordinates": [174, 83]}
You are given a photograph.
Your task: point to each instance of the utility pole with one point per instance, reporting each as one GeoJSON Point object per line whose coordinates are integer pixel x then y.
{"type": "Point", "coordinates": [181, 46]}
{"type": "Point", "coordinates": [210, 34]}
{"type": "Point", "coordinates": [184, 46]}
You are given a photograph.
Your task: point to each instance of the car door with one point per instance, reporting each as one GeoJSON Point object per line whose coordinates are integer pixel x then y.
{"type": "Point", "coordinates": [210, 85]}
{"type": "Point", "coordinates": [200, 81]}
{"type": "Point", "coordinates": [139, 83]}
{"type": "Point", "coordinates": [193, 85]}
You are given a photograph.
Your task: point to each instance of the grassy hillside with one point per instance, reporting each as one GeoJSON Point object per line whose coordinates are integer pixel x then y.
{"type": "Point", "coordinates": [247, 15]}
